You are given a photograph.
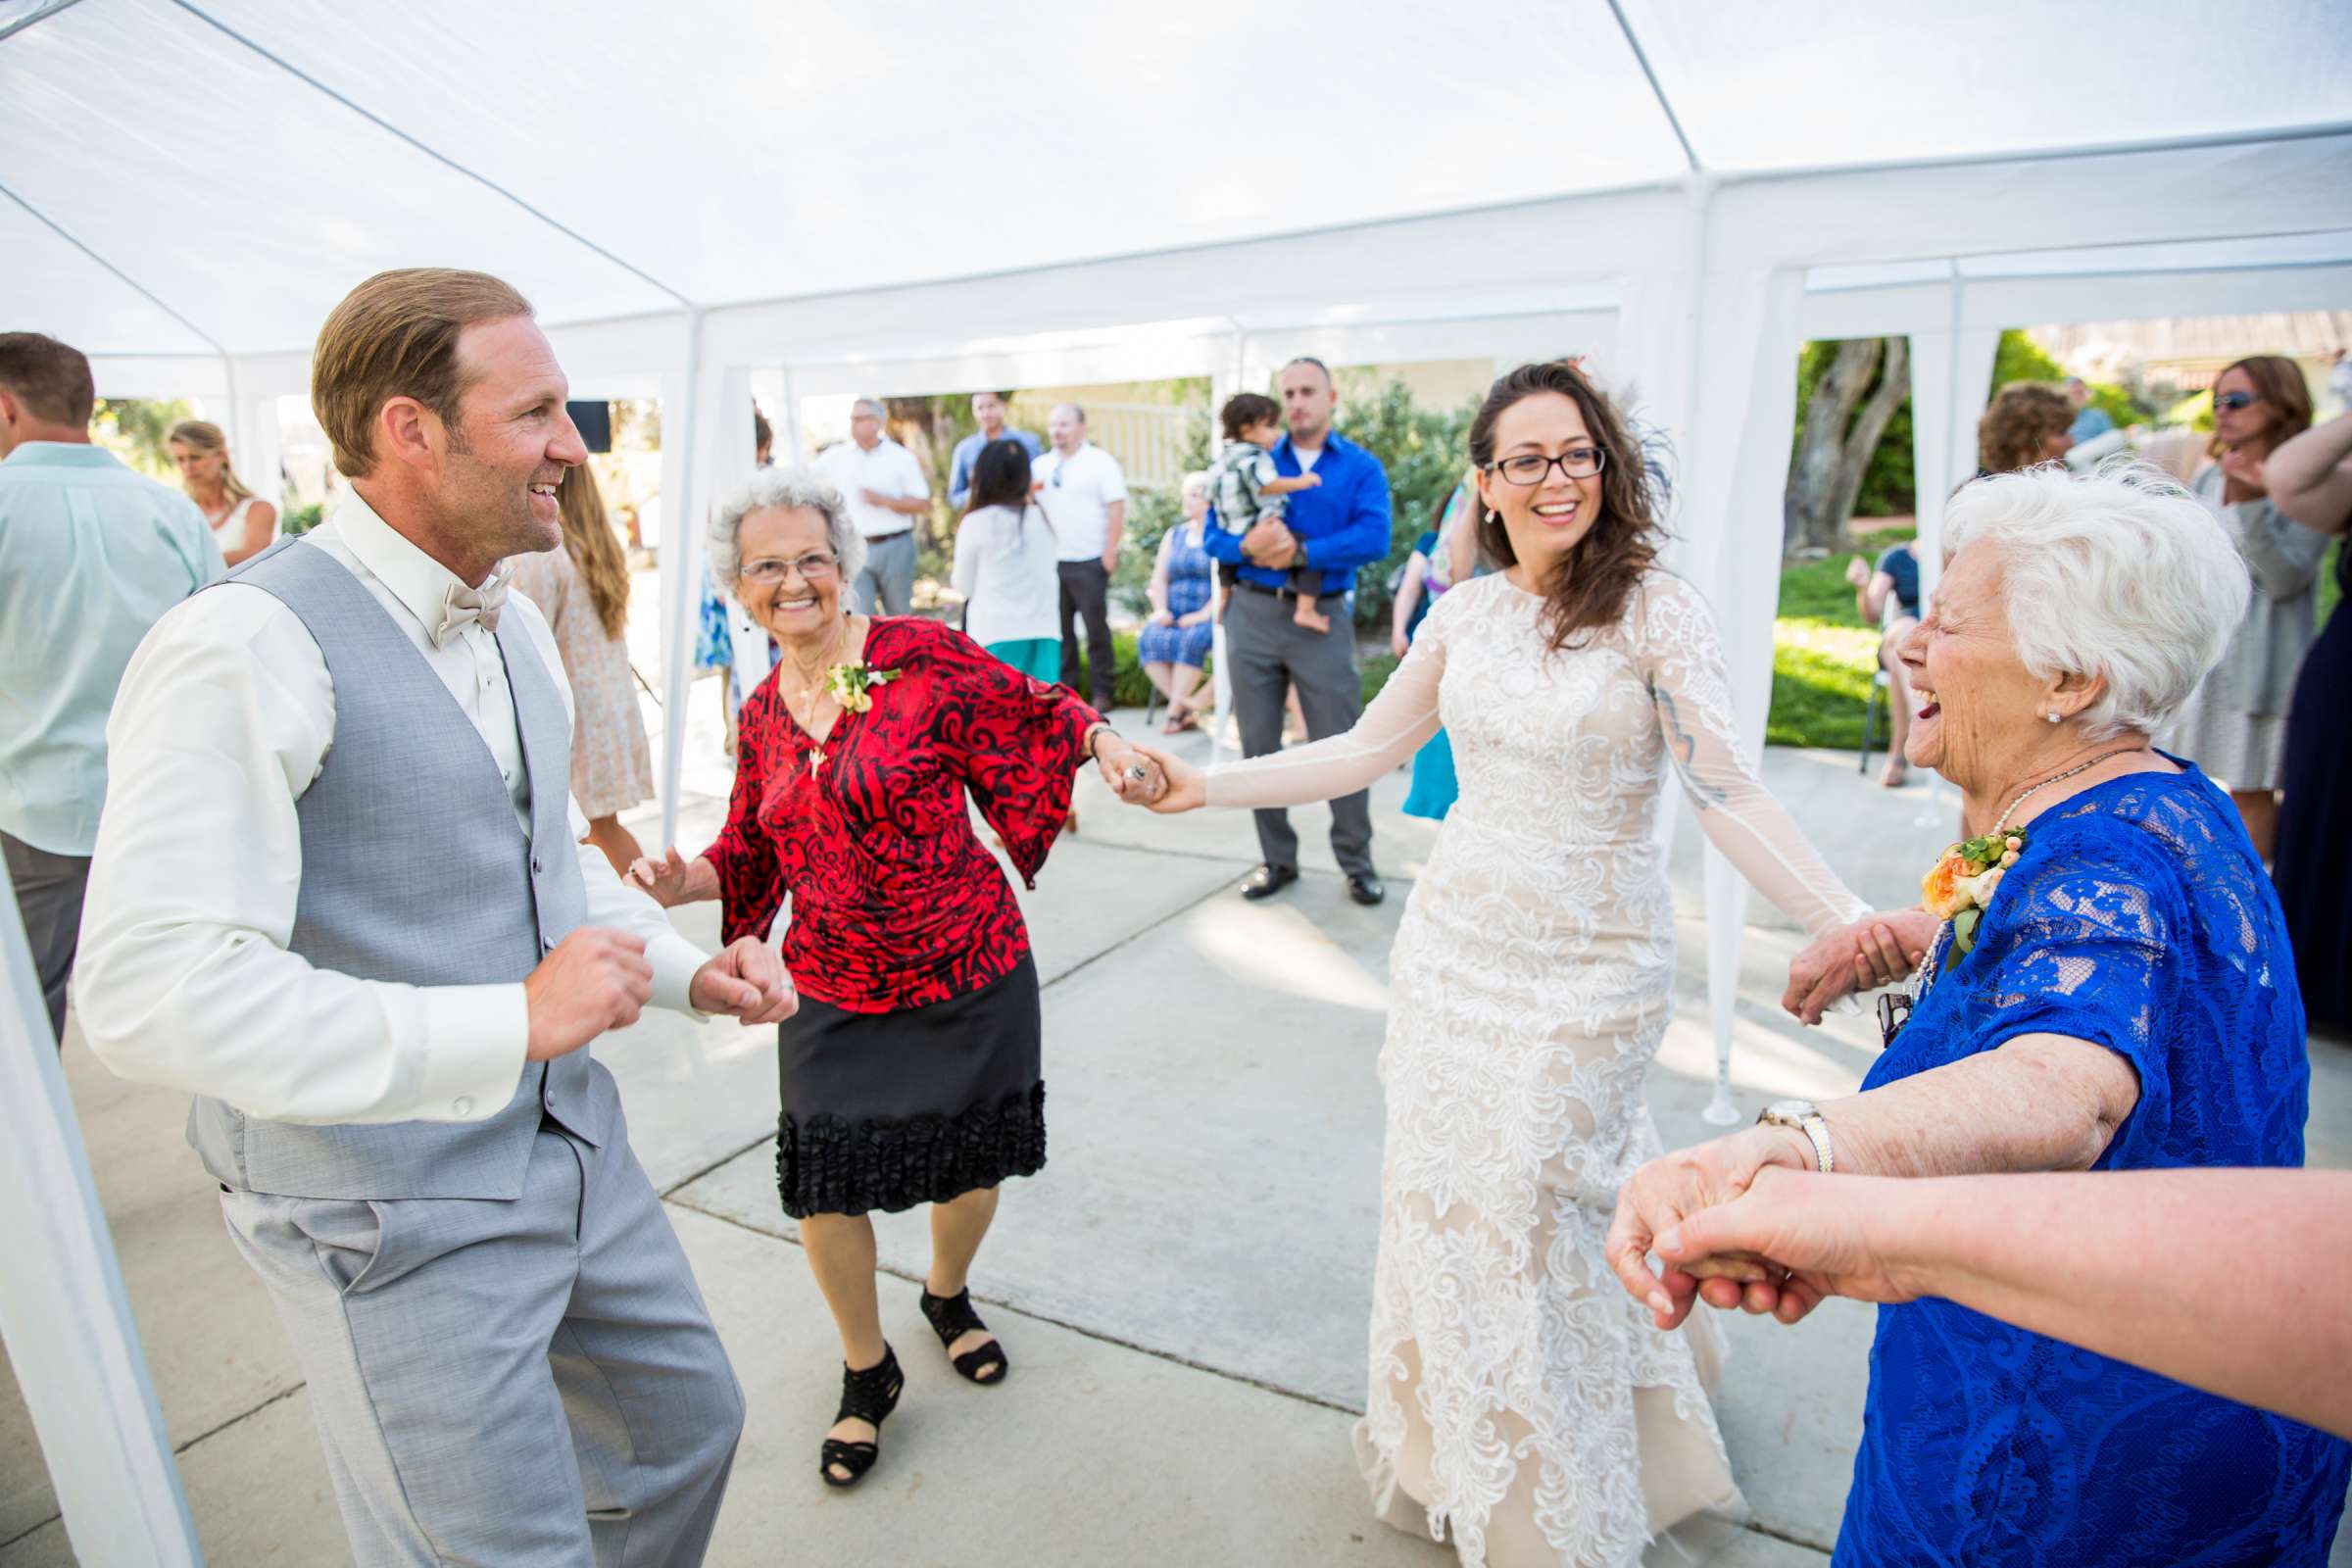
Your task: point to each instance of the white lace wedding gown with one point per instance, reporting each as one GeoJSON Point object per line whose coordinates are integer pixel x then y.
{"type": "Point", "coordinates": [1518, 1397]}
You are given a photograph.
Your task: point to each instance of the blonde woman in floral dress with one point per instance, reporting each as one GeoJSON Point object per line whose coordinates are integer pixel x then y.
{"type": "Point", "coordinates": [583, 590]}
{"type": "Point", "coordinates": [1518, 1402]}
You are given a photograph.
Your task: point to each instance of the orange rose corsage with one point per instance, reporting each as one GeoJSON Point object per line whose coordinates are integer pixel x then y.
{"type": "Point", "coordinates": [1960, 885]}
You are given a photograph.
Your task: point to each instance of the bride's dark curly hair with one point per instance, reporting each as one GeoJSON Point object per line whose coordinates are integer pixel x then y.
{"type": "Point", "coordinates": [1589, 587]}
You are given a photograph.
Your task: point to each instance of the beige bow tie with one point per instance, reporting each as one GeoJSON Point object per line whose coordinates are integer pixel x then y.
{"type": "Point", "coordinates": [468, 605]}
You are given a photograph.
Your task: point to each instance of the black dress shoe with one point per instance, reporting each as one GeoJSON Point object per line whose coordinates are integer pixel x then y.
{"type": "Point", "coordinates": [1366, 889]}
{"type": "Point", "coordinates": [1268, 880]}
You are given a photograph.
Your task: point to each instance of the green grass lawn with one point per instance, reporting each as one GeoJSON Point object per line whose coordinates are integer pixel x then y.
{"type": "Point", "coordinates": [1822, 653]}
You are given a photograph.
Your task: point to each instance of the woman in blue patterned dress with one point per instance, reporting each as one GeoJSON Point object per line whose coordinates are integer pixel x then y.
{"type": "Point", "coordinates": [2107, 985]}
{"type": "Point", "coordinates": [1174, 644]}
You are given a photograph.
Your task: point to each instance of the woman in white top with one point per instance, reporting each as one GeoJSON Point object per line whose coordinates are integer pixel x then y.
{"type": "Point", "coordinates": [1004, 566]}
{"type": "Point", "coordinates": [242, 521]}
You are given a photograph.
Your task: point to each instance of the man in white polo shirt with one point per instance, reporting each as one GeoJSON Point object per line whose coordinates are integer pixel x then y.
{"type": "Point", "coordinates": [1085, 497]}
{"type": "Point", "coordinates": [886, 490]}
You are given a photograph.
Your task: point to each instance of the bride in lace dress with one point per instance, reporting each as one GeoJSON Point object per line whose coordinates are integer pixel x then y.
{"type": "Point", "coordinates": [1518, 1400]}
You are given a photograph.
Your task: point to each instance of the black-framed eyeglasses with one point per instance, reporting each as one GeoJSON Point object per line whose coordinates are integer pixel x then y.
{"type": "Point", "coordinates": [1533, 468]}
{"type": "Point", "coordinates": [2234, 401]}
{"type": "Point", "coordinates": [814, 566]}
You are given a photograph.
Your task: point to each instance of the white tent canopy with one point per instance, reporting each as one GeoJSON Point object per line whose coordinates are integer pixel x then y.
{"type": "Point", "coordinates": [703, 199]}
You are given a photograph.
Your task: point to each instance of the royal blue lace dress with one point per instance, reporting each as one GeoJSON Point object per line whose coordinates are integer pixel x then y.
{"type": "Point", "coordinates": [2139, 917]}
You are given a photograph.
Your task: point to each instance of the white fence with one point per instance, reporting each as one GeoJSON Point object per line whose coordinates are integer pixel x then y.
{"type": "Point", "coordinates": [1147, 438]}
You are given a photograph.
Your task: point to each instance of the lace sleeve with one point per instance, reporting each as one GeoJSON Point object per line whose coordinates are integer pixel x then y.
{"type": "Point", "coordinates": [1394, 726]}
{"type": "Point", "coordinates": [2081, 949]}
{"type": "Point", "coordinates": [1682, 658]}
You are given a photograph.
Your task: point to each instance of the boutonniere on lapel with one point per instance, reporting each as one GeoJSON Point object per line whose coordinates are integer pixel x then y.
{"type": "Point", "coordinates": [1961, 885]}
{"type": "Point", "coordinates": [852, 686]}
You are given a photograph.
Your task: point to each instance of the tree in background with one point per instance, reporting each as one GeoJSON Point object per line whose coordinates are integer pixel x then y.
{"type": "Point", "coordinates": [1855, 387]}
{"type": "Point", "coordinates": [133, 429]}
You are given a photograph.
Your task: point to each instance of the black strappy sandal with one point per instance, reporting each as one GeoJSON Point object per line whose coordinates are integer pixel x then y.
{"type": "Point", "coordinates": [951, 1317]}
{"type": "Point", "coordinates": [868, 1396]}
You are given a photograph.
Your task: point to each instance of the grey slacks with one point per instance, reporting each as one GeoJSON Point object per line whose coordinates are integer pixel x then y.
{"type": "Point", "coordinates": [49, 891]}
{"type": "Point", "coordinates": [1085, 604]}
{"type": "Point", "coordinates": [1270, 653]}
{"type": "Point", "coordinates": [519, 1382]}
{"type": "Point", "coordinates": [885, 584]}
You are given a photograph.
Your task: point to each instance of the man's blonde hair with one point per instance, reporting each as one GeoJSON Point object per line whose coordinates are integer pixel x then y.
{"type": "Point", "coordinates": [395, 335]}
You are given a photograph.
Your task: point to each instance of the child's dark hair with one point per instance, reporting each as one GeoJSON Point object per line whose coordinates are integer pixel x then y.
{"type": "Point", "coordinates": [1000, 478]}
{"type": "Point", "coordinates": [1245, 409]}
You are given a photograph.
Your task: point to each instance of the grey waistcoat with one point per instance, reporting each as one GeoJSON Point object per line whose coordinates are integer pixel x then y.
{"type": "Point", "coordinates": [413, 871]}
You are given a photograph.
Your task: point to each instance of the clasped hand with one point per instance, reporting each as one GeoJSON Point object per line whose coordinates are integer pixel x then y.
{"type": "Point", "coordinates": [1135, 775]}
{"type": "Point", "coordinates": [1743, 1223]}
{"type": "Point", "coordinates": [1878, 950]}
{"type": "Point", "coordinates": [1270, 544]}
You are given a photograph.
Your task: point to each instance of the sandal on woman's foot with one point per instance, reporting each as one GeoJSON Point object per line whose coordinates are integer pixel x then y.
{"type": "Point", "coordinates": [951, 1317]}
{"type": "Point", "coordinates": [868, 1395]}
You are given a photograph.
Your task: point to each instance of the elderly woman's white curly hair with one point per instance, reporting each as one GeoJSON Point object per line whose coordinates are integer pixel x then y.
{"type": "Point", "coordinates": [2120, 573]}
{"type": "Point", "coordinates": [782, 487]}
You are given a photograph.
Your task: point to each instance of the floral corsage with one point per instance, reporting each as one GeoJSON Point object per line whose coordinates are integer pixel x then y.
{"type": "Point", "coordinates": [852, 686]}
{"type": "Point", "coordinates": [1960, 887]}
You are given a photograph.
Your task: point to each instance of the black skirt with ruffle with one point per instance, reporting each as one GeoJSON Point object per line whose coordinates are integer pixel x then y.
{"type": "Point", "coordinates": [885, 1110]}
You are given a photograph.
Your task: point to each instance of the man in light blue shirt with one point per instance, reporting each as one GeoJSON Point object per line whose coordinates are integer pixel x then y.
{"type": "Point", "coordinates": [988, 409]}
{"type": "Point", "coordinates": [90, 556]}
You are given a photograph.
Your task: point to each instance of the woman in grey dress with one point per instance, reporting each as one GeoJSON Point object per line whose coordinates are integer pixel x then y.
{"type": "Point", "coordinates": [2234, 727]}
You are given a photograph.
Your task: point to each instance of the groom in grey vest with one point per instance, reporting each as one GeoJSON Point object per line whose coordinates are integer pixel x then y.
{"type": "Point", "coordinates": [339, 894]}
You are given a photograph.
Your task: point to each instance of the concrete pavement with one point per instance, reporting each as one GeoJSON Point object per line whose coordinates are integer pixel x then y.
{"type": "Point", "coordinates": [1183, 1291]}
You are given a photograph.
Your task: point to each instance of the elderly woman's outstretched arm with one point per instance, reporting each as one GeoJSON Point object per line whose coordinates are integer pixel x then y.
{"type": "Point", "coordinates": [2310, 476]}
{"type": "Point", "coordinates": [2081, 958]}
{"type": "Point", "coordinates": [2055, 1254]}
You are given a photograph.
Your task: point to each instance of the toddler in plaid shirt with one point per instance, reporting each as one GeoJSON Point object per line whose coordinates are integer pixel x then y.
{"type": "Point", "coordinates": [1247, 491]}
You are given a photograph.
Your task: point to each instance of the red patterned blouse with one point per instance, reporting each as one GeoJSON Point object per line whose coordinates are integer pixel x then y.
{"type": "Point", "coordinates": [894, 903]}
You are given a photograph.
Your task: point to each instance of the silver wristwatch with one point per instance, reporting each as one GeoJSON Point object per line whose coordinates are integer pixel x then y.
{"type": "Point", "coordinates": [1806, 1118]}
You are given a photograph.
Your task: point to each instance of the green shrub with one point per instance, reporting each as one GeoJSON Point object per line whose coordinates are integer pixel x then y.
{"type": "Point", "coordinates": [1425, 451]}
{"type": "Point", "coordinates": [301, 520]}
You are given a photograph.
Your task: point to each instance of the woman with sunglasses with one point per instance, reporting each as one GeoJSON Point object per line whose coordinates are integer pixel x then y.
{"type": "Point", "coordinates": [1516, 1407]}
{"type": "Point", "coordinates": [909, 1071]}
{"type": "Point", "coordinates": [2234, 727]}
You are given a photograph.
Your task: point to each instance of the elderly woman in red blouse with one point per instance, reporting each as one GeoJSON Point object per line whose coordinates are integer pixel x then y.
{"type": "Point", "coordinates": [910, 1067]}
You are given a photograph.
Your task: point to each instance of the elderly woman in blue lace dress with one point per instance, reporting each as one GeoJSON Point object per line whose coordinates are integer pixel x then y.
{"type": "Point", "coordinates": [2107, 985]}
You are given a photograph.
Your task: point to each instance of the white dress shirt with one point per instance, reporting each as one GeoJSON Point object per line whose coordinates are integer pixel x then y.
{"type": "Point", "coordinates": [223, 720]}
{"type": "Point", "coordinates": [1078, 494]}
{"type": "Point", "coordinates": [888, 470]}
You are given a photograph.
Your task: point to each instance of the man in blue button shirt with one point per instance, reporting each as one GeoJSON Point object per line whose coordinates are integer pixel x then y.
{"type": "Point", "coordinates": [1335, 529]}
{"type": "Point", "coordinates": [90, 556]}
{"type": "Point", "coordinates": [988, 409]}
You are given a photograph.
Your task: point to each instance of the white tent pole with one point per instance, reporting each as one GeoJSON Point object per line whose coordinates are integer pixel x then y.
{"type": "Point", "coordinates": [681, 573]}
{"type": "Point", "coordinates": [63, 1315]}
{"type": "Point", "coordinates": [1970, 354]}
{"type": "Point", "coordinates": [1657, 89]}
{"type": "Point", "coordinates": [796, 450]}
{"type": "Point", "coordinates": [1749, 402]}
